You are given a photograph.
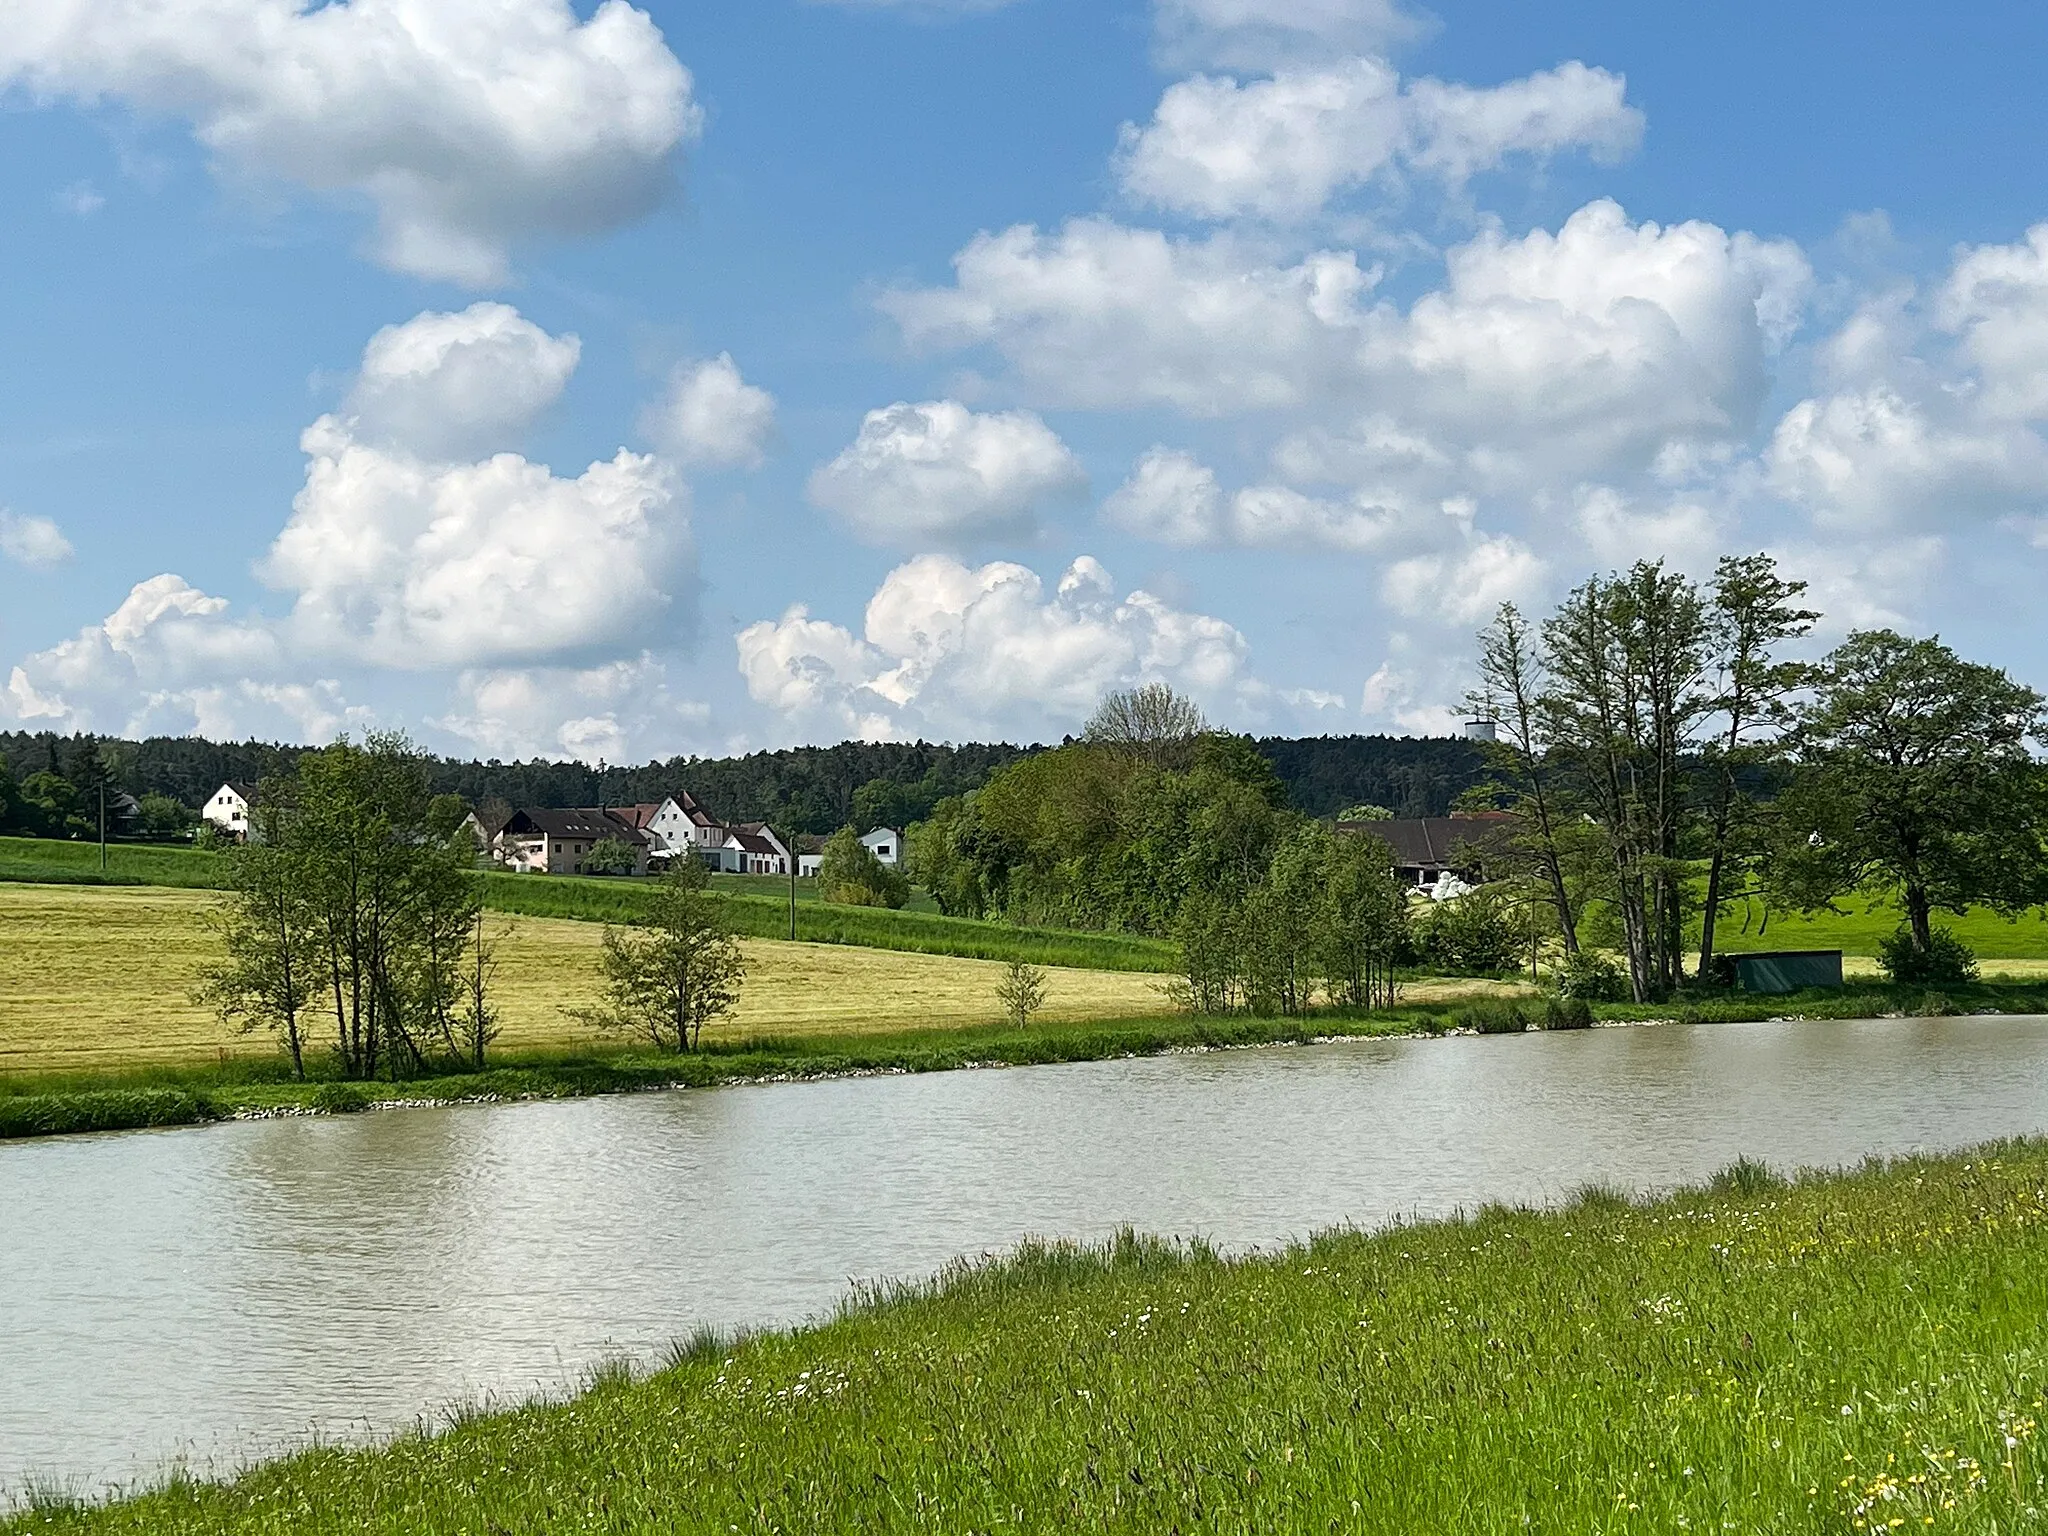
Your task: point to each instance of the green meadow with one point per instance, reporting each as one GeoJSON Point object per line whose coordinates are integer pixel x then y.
{"type": "Point", "coordinates": [1842, 1354]}
{"type": "Point", "coordinates": [759, 908]}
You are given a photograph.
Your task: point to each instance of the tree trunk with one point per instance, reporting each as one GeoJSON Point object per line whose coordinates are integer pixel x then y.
{"type": "Point", "coordinates": [1714, 869]}
{"type": "Point", "coordinates": [1921, 916]}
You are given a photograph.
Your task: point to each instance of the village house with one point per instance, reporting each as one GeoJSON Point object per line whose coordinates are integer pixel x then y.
{"type": "Point", "coordinates": [559, 842]}
{"type": "Point", "coordinates": [677, 824]}
{"type": "Point", "coordinates": [556, 842]}
{"type": "Point", "coordinates": [886, 844]}
{"type": "Point", "coordinates": [750, 849]}
{"type": "Point", "coordinates": [227, 810]}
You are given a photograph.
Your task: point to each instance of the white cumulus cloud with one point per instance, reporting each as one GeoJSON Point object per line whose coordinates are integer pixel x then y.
{"type": "Point", "coordinates": [171, 660]}
{"type": "Point", "coordinates": [619, 711]}
{"type": "Point", "coordinates": [466, 124]}
{"type": "Point", "coordinates": [1583, 353]}
{"type": "Point", "coordinates": [410, 563]}
{"type": "Point", "coordinates": [1281, 148]}
{"type": "Point", "coordinates": [1105, 316]}
{"type": "Point", "coordinates": [35, 542]}
{"type": "Point", "coordinates": [1934, 410]}
{"type": "Point", "coordinates": [1467, 586]}
{"type": "Point", "coordinates": [951, 649]}
{"type": "Point", "coordinates": [709, 415]}
{"type": "Point", "coordinates": [405, 552]}
{"type": "Point", "coordinates": [1173, 498]}
{"type": "Point", "coordinates": [940, 472]}
{"type": "Point", "coordinates": [458, 386]}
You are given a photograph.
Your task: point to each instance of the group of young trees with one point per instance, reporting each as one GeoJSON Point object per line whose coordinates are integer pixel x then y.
{"type": "Point", "coordinates": [355, 920]}
{"type": "Point", "coordinates": [1154, 823]}
{"type": "Point", "coordinates": [1665, 757]}
{"type": "Point", "coordinates": [356, 917]}
{"type": "Point", "coordinates": [1325, 921]}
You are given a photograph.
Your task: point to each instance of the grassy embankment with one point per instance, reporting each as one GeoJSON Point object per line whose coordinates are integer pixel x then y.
{"type": "Point", "coordinates": [754, 910]}
{"type": "Point", "coordinates": [1852, 1353]}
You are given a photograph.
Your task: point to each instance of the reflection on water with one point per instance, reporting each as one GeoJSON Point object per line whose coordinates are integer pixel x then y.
{"type": "Point", "coordinates": [224, 1293]}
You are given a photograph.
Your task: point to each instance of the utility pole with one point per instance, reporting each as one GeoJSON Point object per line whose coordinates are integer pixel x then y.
{"type": "Point", "coordinates": [790, 845]}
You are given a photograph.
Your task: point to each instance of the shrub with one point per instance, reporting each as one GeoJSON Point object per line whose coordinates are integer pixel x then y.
{"type": "Point", "coordinates": [853, 877]}
{"type": "Point", "coordinates": [340, 1098]}
{"type": "Point", "coordinates": [611, 856]}
{"type": "Point", "coordinates": [1948, 961]}
{"type": "Point", "coordinates": [1472, 935]}
{"type": "Point", "coordinates": [1567, 1013]}
{"type": "Point", "coordinates": [1021, 992]}
{"type": "Point", "coordinates": [1590, 977]}
{"type": "Point", "coordinates": [1494, 1018]}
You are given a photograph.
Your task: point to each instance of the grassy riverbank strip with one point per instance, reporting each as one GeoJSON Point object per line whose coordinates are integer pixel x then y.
{"type": "Point", "coordinates": [1849, 1353]}
{"type": "Point", "coordinates": [64, 1104]}
{"type": "Point", "coordinates": [150, 1098]}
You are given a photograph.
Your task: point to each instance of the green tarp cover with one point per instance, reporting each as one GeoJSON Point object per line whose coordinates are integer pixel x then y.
{"type": "Point", "coordinates": [1789, 970]}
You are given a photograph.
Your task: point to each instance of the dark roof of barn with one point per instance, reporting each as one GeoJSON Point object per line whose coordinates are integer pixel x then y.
{"type": "Point", "coordinates": [1430, 842]}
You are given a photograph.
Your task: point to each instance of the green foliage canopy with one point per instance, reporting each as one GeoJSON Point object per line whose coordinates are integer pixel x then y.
{"type": "Point", "coordinates": [1913, 778]}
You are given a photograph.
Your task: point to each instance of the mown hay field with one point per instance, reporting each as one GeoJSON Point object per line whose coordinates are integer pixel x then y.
{"type": "Point", "coordinates": [95, 977]}
{"type": "Point", "coordinates": [101, 978]}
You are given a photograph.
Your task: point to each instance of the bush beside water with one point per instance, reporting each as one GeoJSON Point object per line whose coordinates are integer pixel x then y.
{"type": "Point", "coordinates": [1492, 1018]}
{"type": "Point", "coordinates": [113, 1109]}
{"type": "Point", "coordinates": [1948, 962]}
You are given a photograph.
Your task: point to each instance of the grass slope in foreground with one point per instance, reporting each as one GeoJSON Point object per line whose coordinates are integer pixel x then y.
{"type": "Point", "coordinates": [1855, 1353]}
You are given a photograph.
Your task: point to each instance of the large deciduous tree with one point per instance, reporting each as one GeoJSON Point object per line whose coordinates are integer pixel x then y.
{"type": "Point", "coordinates": [1152, 723]}
{"type": "Point", "coordinates": [1914, 781]}
{"type": "Point", "coordinates": [1510, 694]}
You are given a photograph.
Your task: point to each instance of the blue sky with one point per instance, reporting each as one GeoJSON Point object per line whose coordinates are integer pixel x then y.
{"type": "Point", "coordinates": [944, 365]}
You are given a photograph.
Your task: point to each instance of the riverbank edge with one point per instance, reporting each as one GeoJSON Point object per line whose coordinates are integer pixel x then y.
{"type": "Point", "coordinates": [1069, 1267]}
{"type": "Point", "coordinates": [169, 1098]}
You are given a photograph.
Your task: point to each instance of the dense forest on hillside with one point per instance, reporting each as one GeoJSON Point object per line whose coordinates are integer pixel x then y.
{"type": "Point", "coordinates": [1409, 775]}
{"type": "Point", "coordinates": [817, 788]}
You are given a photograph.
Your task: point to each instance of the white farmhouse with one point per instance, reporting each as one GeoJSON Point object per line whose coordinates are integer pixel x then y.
{"type": "Point", "coordinates": [677, 825]}
{"type": "Point", "coordinates": [228, 810]}
{"type": "Point", "coordinates": [886, 845]}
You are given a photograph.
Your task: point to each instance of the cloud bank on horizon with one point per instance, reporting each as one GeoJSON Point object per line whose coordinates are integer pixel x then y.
{"type": "Point", "coordinates": [1281, 363]}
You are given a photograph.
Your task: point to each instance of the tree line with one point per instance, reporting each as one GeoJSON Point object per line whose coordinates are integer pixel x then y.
{"type": "Point", "coordinates": [49, 783]}
{"type": "Point", "coordinates": [1666, 757]}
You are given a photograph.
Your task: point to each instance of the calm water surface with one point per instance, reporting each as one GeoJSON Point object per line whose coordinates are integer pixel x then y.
{"type": "Point", "coordinates": [220, 1294]}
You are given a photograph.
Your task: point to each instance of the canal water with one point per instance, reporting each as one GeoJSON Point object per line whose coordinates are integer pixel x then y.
{"type": "Point", "coordinates": [213, 1296]}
